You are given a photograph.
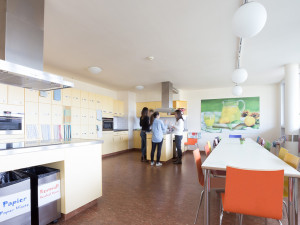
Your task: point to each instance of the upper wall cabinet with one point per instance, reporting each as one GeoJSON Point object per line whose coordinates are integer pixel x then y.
{"type": "Point", "coordinates": [76, 97]}
{"type": "Point", "coordinates": [67, 96]}
{"type": "Point", "coordinates": [31, 95]}
{"type": "Point", "coordinates": [15, 95]}
{"type": "Point", "coordinates": [3, 94]}
{"type": "Point", "coordinates": [45, 97]}
{"type": "Point", "coordinates": [84, 99]}
{"type": "Point", "coordinates": [98, 102]}
{"type": "Point", "coordinates": [92, 101]}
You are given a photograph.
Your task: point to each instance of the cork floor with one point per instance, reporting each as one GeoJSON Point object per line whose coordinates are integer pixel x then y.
{"type": "Point", "coordinates": [135, 193]}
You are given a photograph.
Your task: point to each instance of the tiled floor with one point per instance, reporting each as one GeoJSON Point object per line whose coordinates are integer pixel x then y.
{"type": "Point", "coordinates": [135, 193]}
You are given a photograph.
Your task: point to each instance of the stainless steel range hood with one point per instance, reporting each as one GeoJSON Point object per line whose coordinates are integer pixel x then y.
{"type": "Point", "coordinates": [21, 46]}
{"type": "Point", "coordinates": [167, 91]}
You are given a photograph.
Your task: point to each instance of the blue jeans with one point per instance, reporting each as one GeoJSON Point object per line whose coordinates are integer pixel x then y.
{"type": "Point", "coordinates": [159, 145]}
{"type": "Point", "coordinates": [178, 139]}
{"type": "Point", "coordinates": [143, 137]}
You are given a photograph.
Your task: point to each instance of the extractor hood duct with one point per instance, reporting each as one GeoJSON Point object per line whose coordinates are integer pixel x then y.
{"type": "Point", "coordinates": [21, 46]}
{"type": "Point", "coordinates": [167, 91]}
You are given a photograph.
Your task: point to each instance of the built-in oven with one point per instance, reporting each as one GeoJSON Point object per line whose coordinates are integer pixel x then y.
{"type": "Point", "coordinates": [107, 124]}
{"type": "Point", "coordinates": [11, 123]}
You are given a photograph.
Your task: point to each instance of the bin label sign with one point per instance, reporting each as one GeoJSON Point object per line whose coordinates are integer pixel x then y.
{"type": "Point", "coordinates": [49, 192]}
{"type": "Point", "coordinates": [14, 205]}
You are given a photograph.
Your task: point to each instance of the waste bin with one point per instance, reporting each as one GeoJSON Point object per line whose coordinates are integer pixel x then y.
{"type": "Point", "coordinates": [15, 201]}
{"type": "Point", "coordinates": [45, 194]}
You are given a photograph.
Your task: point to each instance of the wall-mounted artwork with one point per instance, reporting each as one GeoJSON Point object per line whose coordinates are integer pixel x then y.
{"type": "Point", "coordinates": [231, 114]}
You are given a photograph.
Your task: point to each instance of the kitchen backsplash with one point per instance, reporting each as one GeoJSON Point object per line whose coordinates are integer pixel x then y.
{"type": "Point", "coordinates": [120, 123]}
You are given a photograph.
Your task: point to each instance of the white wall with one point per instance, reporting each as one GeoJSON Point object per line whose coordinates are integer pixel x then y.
{"type": "Point", "coordinates": [269, 109]}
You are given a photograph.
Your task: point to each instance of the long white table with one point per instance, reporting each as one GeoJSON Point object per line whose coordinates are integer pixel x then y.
{"type": "Point", "coordinates": [251, 156]}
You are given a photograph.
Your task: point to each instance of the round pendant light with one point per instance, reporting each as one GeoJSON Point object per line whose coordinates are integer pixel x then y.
{"type": "Point", "coordinates": [237, 90]}
{"type": "Point", "coordinates": [249, 20]}
{"type": "Point", "coordinates": [239, 76]}
{"type": "Point", "coordinates": [94, 69]}
{"type": "Point", "coordinates": [139, 87]}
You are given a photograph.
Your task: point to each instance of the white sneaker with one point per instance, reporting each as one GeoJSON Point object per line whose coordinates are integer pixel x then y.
{"type": "Point", "coordinates": [152, 163]}
{"type": "Point", "coordinates": [159, 164]}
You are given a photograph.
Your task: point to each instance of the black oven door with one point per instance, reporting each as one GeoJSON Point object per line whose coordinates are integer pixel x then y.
{"type": "Point", "coordinates": [10, 124]}
{"type": "Point", "coordinates": [107, 124]}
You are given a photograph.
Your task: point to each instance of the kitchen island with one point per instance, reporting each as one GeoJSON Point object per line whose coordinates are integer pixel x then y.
{"type": "Point", "coordinates": [79, 162]}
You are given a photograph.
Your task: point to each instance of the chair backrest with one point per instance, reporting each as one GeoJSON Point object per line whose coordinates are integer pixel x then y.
{"type": "Point", "coordinates": [267, 145]}
{"type": "Point", "coordinates": [209, 145]}
{"type": "Point", "coordinates": [235, 136]}
{"type": "Point", "coordinates": [261, 141]}
{"type": "Point", "coordinates": [207, 151]}
{"type": "Point", "coordinates": [256, 193]}
{"type": "Point", "coordinates": [191, 141]}
{"type": "Point", "coordinates": [257, 140]}
{"type": "Point", "coordinates": [197, 157]}
{"type": "Point", "coordinates": [292, 160]}
{"type": "Point", "coordinates": [282, 153]}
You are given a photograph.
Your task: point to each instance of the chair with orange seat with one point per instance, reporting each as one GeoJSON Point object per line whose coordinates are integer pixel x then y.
{"type": "Point", "coordinates": [282, 153]}
{"type": "Point", "coordinates": [293, 161]}
{"type": "Point", "coordinates": [191, 141]}
{"type": "Point", "coordinates": [209, 145]}
{"type": "Point", "coordinates": [256, 193]}
{"type": "Point", "coordinates": [216, 183]}
{"type": "Point", "coordinates": [207, 150]}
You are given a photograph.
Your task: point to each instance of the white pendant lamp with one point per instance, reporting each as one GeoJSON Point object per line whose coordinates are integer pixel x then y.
{"type": "Point", "coordinates": [239, 76]}
{"type": "Point", "coordinates": [237, 90]}
{"type": "Point", "coordinates": [249, 20]}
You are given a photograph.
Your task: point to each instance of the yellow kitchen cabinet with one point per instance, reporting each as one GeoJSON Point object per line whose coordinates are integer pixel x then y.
{"type": "Point", "coordinates": [108, 145]}
{"type": "Point", "coordinates": [3, 94]}
{"type": "Point", "coordinates": [92, 131]}
{"type": "Point", "coordinates": [84, 99]}
{"type": "Point", "coordinates": [31, 95]}
{"type": "Point", "coordinates": [121, 108]}
{"type": "Point", "coordinates": [98, 102]}
{"type": "Point", "coordinates": [167, 148]}
{"type": "Point", "coordinates": [124, 140]}
{"type": "Point", "coordinates": [67, 96]}
{"type": "Point", "coordinates": [31, 113]}
{"type": "Point", "coordinates": [16, 95]}
{"type": "Point", "coordinates": [104, 101]}
{"type": "Point", "coordinates": [76, 99]}
{"type": "Point", "coordinates": [137, 139]}
{"type": "Point", "coordinates": [84, 116]}
{"type": "Point", "coordinates": [139, 107]}
{"type": "Point", "coordinates": [75, 130]}
{"type": "Point", "coordinates": [92, 116]}
{"type": "Point", "coordinates": [57, 114]}
{"type": "Point", "coordinates": [116, 108]}
{"type": "Point", "coordinates": [92, 101]}
{"type": "Point", "coordinates": [117, 145]}
{"type": "Point", "coordinates": [110, 105]}
{"type": "Point", "coordinates": [47, 99]}
{"type": "Point", "coordinates": [75, 115]}
{"type": "Point", "coordinates": [180, 104]}
{"type": "Point", "coordinates": [84, 131]}
{"type": "Point", "coordinates": [44, 113]}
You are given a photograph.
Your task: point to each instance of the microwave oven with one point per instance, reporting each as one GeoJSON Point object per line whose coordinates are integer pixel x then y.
{"type": "Point", "coordinates": [11, 123]}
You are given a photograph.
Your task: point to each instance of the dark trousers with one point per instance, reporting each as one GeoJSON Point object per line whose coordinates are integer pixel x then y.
{"type": "Point", "coordinates": [143, 137]}
{"type": "Point", "coordinates": [159, 145]}
{"type": "Point", "coordinates": [178, 139]}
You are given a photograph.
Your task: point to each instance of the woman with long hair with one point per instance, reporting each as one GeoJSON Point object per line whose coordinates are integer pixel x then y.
{"type": "Point", "coordinates": [145, 124]}
{"type": "Point", "coordinates": [158, 130]}
{"type": "Point", "coordinates": [178, 131]}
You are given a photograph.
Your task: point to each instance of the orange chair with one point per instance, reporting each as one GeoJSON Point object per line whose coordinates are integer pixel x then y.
{"type": "Point", "coordinates": [207, 150]}
{"type": "Point", "coordinates": [282, 153]}
{"type": "Point", "coordinates": [215, 182]}
{"type": "Point", "coordinates": [191, 141]}
{"type": "Point", "coordinates": [256, 193]}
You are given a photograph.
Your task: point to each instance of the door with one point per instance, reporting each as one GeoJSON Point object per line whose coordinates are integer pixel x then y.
{"type": "Point", "coordinates": [45, 97]}
{"type": "Point", "coordinates": [44, 113]}
{"type": "Point", "coordinates": [67, 97]}
{"type": "Point", "coordinates": [84, 99]}
{"type": "Point", "coordinates": [57, 114]}
{"type": "Point", "coordinates": [76, 97]}
{"type": "Point", "coordinates": [84, 114]}
{"type": "Point", "coordinates": [31, 95]}
{"type": "Point", "coordinates": [75, 116]}
{"type": "Point", "coordinates": [16, 95]}
{"type": "Point", "coordinates": [92, 116]}
{"type": "Point", "coordinates": [92, 101]}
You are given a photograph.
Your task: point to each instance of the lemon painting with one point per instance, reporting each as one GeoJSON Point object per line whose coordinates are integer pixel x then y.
{"type": "Point", "coordinates": [232, 114]}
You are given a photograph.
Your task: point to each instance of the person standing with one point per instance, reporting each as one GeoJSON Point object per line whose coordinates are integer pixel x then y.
{"type": "Point", "coordinates": [178, 131]}
{"type": "Point", "coordinates": [158, 130]}
{"type": "Point", "coordinates": [145, 124]}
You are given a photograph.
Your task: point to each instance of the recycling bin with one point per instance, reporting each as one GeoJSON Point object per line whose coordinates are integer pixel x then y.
{"type": "Point", "coordinates": [45, 194]}
{"type": "Point", "coordinates": [15, 204]}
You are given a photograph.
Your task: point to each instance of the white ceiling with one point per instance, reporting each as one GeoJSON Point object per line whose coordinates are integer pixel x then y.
{"type": "Point", "coordinates": [191, 40]}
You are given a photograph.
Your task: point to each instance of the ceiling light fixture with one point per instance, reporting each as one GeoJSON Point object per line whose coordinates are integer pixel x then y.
{"type": "Point", "coordinates": [151, 58]}
{"type": "Point", "coordinates": [139, 87]}
{"type": "Point", "coordinates": [237, 90]}
{"type": "Point", "coordinates": [239, 76]}
{"type": "Point", "coordinates": [249, 19]}
{"type": "Point", "coordinates": [94, 69]}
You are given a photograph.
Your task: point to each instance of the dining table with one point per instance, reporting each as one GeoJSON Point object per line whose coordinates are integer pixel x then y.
{"type": "Point", "coordinates": [251, 156]}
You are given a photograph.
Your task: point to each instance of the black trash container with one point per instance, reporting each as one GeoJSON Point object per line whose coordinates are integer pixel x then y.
{"type": "Point", "coordinates": [15, 204]}
{"type": "Point", "coordinates": [45, 194]}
